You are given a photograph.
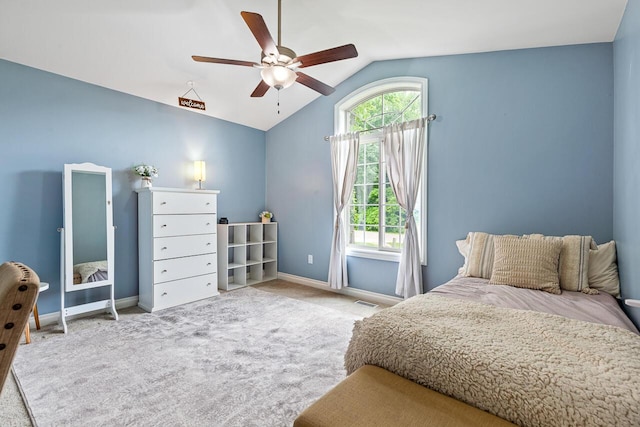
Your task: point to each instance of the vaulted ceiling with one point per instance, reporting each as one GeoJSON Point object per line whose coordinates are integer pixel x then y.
{"type": "Point", "coordinates": [144, 47]}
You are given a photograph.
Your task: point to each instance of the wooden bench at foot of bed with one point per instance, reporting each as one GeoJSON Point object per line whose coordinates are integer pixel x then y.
{"type": "Point", "coordinates": [372, 396]}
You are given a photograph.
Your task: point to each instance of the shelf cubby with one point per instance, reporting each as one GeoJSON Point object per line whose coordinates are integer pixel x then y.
{"type": "Point", "coordinates": [270, 252]}
{"type": "Point", "coordinates": [236, 235]}
{"type": "Point", "coordinates": [269, 271]}
{"type": "Point", "coordinates": [270, 232]}
{"type": "Point", "coordinates": [254, 254]}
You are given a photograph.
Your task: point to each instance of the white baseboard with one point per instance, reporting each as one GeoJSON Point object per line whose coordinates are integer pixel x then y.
{"type": "Point", "coordinates": [352, 292]}
{"type": "Point", "coordinates": [51, 318]}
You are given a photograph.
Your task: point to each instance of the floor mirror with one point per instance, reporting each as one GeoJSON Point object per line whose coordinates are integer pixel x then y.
{"type": "Point", "coordinates": [87, 239]}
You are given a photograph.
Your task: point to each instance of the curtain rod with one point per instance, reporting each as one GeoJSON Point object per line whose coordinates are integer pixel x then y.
{"type": "Point", "coordinates": [430, 118]}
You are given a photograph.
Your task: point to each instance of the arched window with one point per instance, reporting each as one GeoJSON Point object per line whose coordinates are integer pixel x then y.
{"type": "Point", "coordinates": [375, 220]}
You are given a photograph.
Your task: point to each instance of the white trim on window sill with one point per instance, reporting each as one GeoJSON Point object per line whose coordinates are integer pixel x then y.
{"type": "Point", "coordinates": [379, 255]}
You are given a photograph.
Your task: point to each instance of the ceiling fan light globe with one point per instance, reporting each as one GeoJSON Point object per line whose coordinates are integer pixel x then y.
{"type": "Point", "coordinates": [278, 76]}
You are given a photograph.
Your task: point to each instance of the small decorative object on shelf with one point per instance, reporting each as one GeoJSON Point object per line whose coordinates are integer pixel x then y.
{"type": "Point", "coordinates": [146, 172]}
{"type": "Point", "coordinates": [266, 216]}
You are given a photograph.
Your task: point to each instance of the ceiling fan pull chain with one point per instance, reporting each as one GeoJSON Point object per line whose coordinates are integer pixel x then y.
{"type": "Point", "coordinates": [278, 101]}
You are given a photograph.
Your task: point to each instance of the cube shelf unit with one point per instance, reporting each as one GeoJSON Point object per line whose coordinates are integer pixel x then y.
{"type": "Point", "coordinates": [247, 254]}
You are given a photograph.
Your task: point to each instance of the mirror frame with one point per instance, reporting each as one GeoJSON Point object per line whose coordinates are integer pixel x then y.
{"type": "Point", "coordinates": [69, 169]}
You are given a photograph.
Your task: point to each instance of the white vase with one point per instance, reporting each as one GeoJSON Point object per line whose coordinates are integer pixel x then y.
{"type": "Point", "coordinates": [145, 182]}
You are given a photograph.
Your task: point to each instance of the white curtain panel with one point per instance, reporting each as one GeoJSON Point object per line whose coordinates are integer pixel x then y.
{"type": "Point", "coordinates": [344, 161]}
{"type": "Point", "coordinates": [404, 146]}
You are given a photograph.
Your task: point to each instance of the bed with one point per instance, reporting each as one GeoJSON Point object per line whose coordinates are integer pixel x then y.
{"type": "Point", "coordinates": [531, 357]}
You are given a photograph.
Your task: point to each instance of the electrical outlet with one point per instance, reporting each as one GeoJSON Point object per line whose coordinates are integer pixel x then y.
{"type": "Point", "coordinates": [310, 259]}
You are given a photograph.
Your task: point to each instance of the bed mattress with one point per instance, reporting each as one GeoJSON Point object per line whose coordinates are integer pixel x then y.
{"type": "Point", "coordinates": [601, 308]}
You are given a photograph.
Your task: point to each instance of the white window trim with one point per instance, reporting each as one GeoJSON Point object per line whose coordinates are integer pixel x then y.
{"type": "Point", "coordinates": [340, 121]}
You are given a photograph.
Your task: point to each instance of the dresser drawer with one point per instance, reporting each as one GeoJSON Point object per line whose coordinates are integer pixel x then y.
{"type": "Point", "coordinates": [180, 268]}
{"type": "Point", "coordinates": [180, 225]}
{"type": "Point", "coordinates": [183, 203]}
{"type": "Point", "coordinates": [181, 246]}
{"type": "Point", "coordinates": [182, 291]}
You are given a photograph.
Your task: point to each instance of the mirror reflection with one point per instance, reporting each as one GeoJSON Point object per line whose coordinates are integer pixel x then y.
{"type": "Point", "coordinates": [89, 224]}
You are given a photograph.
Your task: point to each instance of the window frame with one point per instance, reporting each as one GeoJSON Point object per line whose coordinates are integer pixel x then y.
{"type": "Point", "coordinates": [363, 94]}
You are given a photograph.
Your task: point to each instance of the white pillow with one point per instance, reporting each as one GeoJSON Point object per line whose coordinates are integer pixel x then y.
{"type": "Point", "coordinates": [463, 248]}
{"type": "Point", "coordinates": [603, 269]}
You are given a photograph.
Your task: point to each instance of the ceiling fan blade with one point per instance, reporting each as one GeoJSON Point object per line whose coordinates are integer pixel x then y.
{"type": "Point", "coordinates": [330, 55]}
{"type": "Point", "coordinates": [260, 32]}
{"type": "Point", "coordinates": [260, 90]}
{"type": "Point", "coordinates": [223, 61]}
{"type": "Point", "coordinates": [314, 84]}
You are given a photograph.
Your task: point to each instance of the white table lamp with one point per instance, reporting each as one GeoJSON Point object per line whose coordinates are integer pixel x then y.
{"type": "Point", "coordinates": [199, 172]}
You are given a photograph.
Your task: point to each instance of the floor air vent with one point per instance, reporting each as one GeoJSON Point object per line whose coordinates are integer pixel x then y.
{"type": "Point", "coordinates": [366, 304]}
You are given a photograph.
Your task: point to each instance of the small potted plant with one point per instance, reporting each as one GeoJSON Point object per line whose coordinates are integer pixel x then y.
{"type": "Point", "coordinates": [266, 216]}
{"type": "Point", "coordinates": [146, 172]}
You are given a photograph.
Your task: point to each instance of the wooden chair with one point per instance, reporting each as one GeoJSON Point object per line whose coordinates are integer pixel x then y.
{"type": "Point", "coordinates": [18, 293]}
{"type": "Point", "coordinates": [27, 331]}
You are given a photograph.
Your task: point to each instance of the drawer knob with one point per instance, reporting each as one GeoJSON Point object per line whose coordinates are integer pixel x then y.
{"type": "Point", "coordinates": [208, 243]}
{"type": "Point", "coordinates": [209, 284]}
{"type": "Point", "coordinates": [163, 225]}
{"type": "Point", "coordinates": [208, 223]}
{"type": "Point", "coordinates": [164, 248]}
{"type": "Point", "coordinates": [163, 271]}
{"type": "Point", "coordinates": [208, 263]}
{"type": "Point", "coordinates": [208, 203]}
{"type": "Point", "coordinates": [164, 293]}
{"type": "Point", "coordinates": [163, 203]}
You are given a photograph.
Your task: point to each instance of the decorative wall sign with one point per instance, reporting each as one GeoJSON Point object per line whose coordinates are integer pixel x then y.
{"type": "Point", "coordinates": [191, 103]}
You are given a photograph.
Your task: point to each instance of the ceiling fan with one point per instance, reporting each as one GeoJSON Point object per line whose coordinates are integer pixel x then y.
{"type": "Point", "coordinates": [279, 64]}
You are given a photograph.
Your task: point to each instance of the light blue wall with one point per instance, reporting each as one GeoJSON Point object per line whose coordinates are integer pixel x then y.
{"type": "Point", "coordinates": [522, 144]}
{"type": "Point", "coordinates": [626, 189]}
{"type": "Point", "coordinates": [47, 121]}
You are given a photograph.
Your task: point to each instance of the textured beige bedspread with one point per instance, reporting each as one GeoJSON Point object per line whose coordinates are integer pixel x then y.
{"type": "Point", "coordinates": [533, 369]}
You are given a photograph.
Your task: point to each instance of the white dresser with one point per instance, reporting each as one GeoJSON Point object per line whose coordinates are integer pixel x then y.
{"type": "Point", "coordinates": [177, 246]}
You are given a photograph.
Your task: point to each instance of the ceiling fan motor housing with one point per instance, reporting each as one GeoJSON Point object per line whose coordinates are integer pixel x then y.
{"type": "Point", "coordinates": [285, 56]}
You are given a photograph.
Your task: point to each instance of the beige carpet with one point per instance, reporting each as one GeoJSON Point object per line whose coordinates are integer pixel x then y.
{"type": "Point", "coordinates": [13, 412]}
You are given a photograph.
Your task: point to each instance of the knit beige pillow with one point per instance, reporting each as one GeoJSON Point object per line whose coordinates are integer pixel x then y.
{"type": "Point", "coordinates": [527, 263]}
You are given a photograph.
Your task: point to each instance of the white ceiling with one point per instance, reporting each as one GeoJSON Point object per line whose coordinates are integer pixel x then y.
{"type": "Point", "coordinates": [144, 47]}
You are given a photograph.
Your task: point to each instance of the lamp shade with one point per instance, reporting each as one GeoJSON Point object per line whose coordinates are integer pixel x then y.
{"type": "Point", "coordinates": [278, 76]}
{"type": "Point", "coordinates": [199, 170]}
